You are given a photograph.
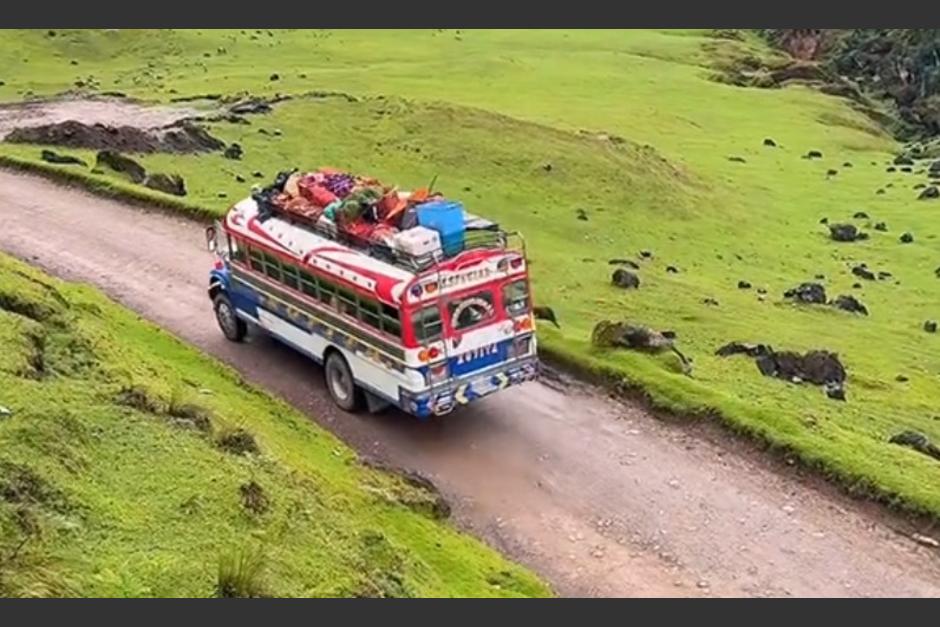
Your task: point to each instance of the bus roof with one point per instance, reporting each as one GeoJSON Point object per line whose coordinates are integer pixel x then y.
{"type": "Point", "coordinates": [390, 280]}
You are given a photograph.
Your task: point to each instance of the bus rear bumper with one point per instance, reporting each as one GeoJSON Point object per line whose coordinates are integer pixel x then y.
{"type": "Point", "coordinates": [444, 399]}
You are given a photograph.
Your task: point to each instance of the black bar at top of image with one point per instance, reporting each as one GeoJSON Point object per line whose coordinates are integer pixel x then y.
{"type": "Point", "coordinates": [479, 14]}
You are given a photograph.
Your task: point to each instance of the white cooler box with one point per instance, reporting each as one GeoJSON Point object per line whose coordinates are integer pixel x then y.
{"type": "Point", "coordinates": [419, 241]}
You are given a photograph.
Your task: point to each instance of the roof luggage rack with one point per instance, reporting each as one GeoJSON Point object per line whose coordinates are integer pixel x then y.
{"type": "Point", "coordinates": [479, 233]}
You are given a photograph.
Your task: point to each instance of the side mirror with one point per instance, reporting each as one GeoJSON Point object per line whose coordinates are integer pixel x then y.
{"type": "Point", "coordinates": [211, 242]}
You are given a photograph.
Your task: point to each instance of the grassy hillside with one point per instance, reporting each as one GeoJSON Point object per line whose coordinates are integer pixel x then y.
{"type": "Point", "coordinates": [639, 136]}
{"type": "Point", "coordinates": [132, 465]}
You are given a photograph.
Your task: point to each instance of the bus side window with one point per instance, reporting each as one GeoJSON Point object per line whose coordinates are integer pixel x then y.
{"type": "Point", "coordinates": [369, 313]}
{"type": "Point", "coordinates": [327, 291]}
{"type": "Point", "coordinates": [427, 324]}
{"type": "Point", "coordinates": [236, 252]}
{"type": "Point", "coordinates": [347, 302]}
{"type": "Point", "coordinates": [290, 276]}
{"type": "Point", "coordinates": [390, 321]}
{"type": "Point", "coordinates": [272, 266]}
{"type": "Point", "coordinates": [308, 284]}
{"type": "Point", "coordinates": [256, 259]}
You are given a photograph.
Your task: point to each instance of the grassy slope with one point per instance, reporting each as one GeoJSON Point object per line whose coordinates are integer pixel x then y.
{"type": "Point", "coordinates": [718, 221]}
{"type": "Point", "coordinates": [120, 501]}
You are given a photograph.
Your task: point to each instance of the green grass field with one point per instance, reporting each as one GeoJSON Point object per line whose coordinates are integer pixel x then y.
{"type": "Point", "coordinates": [116, 478]}
{"type": "Point", "coordinates": [486, 111]}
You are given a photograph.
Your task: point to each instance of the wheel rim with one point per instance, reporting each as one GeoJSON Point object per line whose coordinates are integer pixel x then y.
{"type": "Point", "coordinates": [226, 319]}
{"type": "Point", "coordinates": [339, 382]}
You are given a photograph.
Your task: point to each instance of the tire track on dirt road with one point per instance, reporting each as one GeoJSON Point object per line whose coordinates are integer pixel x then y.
{"type": "Point", "coordinates": [599, 497]}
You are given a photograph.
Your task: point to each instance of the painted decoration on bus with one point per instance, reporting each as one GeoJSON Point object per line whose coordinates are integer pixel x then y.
{"type": "Point", "coordinates": [479, 358]}
{"type": "Point", "coordinates": [456, 280]}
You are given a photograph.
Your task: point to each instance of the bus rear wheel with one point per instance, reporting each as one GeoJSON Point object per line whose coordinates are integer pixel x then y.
{"type": "Point", "coordinates": [233, 327]}
{"type": "Point", "coordinates": [341, 384]}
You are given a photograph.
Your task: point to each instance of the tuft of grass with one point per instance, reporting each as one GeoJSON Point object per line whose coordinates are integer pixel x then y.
{"type": "Point", "coordinates": [240, 574]}
{"type": "Point", "coordinates": [237, 441]}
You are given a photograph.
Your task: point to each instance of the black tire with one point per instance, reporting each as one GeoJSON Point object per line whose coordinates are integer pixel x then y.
{"type": "Point", "coordinates": [340, 383]}
{"type": "Point", "coordinates": [233, 328]}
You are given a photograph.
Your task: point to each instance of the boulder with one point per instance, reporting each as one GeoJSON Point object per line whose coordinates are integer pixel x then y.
{"type": "Point", "coordinates": [233, 151]}
{"type": "Point", "coordinates": [623, 262]}
{"type": "Point", "coordinates": [929, 193]}
{"type": "Point", "coordinates": [608, 334]}
{"type": "Point", "coordinates": [120, 164]}
{"type": "Point", "coordinates": [916, 441]}
{"type": "Point", "coordinates": [843, 232]}
{"type": "Point", "coordinates": [863, 272]}
{"type": "Point", "coordinates": [251, 105]}
{"type": "Point", "coordinates": [850, 304]}
{"type": "Point", "coordinates": [166, 183]}
{"type": "Point", "coordinates": [50, 156]}
{"type": "Point", "coordinates": [741, 348]}
{"type": "Point", "coordinates": [625, 279]}
{"type": "Point", "coordinates": [811, 293]}
{"type": "Point", "coordinates": [545, 313]}
{"type": "Point", "coordinates": [817, 366]}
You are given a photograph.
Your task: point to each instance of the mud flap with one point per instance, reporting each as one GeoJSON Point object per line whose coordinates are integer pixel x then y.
{"type": "Point", "coordinates": [375, 404]}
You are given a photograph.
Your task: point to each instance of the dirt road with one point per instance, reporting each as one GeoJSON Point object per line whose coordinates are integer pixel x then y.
{"type": "Point", "coordinates": [601, 498]}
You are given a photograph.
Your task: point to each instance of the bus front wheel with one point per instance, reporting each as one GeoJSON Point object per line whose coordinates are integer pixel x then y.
{"type": "Point", "coordinates": [233, 327]}
{"type": "Point", "coordinates": [341, 384]}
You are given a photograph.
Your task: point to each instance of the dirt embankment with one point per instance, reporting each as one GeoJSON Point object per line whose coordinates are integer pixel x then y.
{"type": "Point", "coordinates": [180, 137]}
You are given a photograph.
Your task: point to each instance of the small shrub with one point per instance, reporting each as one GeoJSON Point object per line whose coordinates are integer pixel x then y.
{"type": "Point", "coordinates": [254, 498]}
{"type": "Point", "coordinates": [237, 442]}
{"type": "Point", "coordinates": [190, 414]}
{"type": "Point", "coordinates": [139, 398]}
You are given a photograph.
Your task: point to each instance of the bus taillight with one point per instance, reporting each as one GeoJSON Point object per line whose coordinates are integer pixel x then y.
{"type": "Point", "coordinates": [429, 354]}
{"type": "Point", "coordinates": [523, 324]}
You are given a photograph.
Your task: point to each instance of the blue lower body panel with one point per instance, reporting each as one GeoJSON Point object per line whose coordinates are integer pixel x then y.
{"type": "Point", "coordinates": [444, 399]}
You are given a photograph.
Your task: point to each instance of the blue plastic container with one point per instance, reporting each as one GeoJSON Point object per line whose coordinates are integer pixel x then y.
{"type": "Point", "coordinates": [446, 217]}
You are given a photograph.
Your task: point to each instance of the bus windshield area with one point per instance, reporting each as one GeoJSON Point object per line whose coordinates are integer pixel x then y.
{"type": "Point", "coordinates": [469, 311]}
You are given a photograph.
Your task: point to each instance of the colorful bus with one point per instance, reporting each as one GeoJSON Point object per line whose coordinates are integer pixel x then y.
{"type": "Point", "coordinates": [424, 335]}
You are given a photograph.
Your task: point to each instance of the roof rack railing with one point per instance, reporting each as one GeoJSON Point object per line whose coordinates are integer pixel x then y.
{"type": "Point", "coordinates": [490, 237]}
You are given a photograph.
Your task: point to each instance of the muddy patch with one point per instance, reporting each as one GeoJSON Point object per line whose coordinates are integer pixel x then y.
{"type": "Point", "coordinates": [423, 495]}
{"type": "Point", "coordinates": [91, 111]}
{"type": "Point", "coordinates": [180, 137]}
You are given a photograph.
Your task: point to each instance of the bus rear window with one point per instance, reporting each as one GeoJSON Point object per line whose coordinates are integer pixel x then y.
{"type": "Point", "coordinates": [470, 311]}
{"type": "Point", "coordinates": [426, 324]}
{"type": "Point", "coordinates": [516, 297]}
